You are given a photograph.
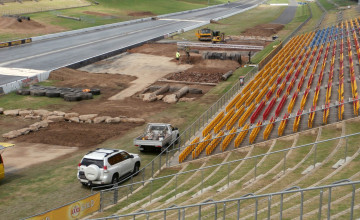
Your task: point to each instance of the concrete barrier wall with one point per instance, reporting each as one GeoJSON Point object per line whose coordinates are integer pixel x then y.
{"type": "Point", "coordinates": [107, 26]}
{"type": "Point", "coordinates": [26, 81]}
{"type": "Point", "coordinates": [15, 42]}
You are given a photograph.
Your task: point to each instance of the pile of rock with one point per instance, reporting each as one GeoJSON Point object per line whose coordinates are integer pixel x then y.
{"type": "Point", "coordinates": [157, 93]}
{"type": "Point", "coordinates": [47, 117]}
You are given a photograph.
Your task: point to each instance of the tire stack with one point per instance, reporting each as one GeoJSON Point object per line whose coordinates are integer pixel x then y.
{"type": "Point", "coordinates": [68, 94]}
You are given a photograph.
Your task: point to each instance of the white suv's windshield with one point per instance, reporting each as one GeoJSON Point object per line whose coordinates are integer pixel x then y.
{"type": "Point", "coordinates": [88, 162]}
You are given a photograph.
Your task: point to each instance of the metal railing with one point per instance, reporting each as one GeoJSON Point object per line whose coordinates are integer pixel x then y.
{"type": "Point", "coordinates": [291, 117]}
{"type": "Point", "coordinates": [163, 158]}
{"type": "Point", "coordinates": [221, 207]}
{"type": "Point", "coordinates": [111, 196]}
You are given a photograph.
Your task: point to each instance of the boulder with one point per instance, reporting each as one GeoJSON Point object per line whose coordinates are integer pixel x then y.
{"type": "Point", "coordinates": [32, 117]}
{"type": "Point", "coordinates": [149, 97]}
{"type": "Point", "coordinates": [112, 120]}
{"type": "Point", "coordinates": [170, 99]}
{"type": "Point", "coordinates": [186, 99]}
{"type": "Point", "coordinates": [41, 112]}
{"type": "Point", "coordinates": [36, 126]}
{"type": "Point", "coordinates": [89, 121]}
{"type": "Point", "coordinates": [25, 112]}
{"type": "Point", "coordinates": [87, 117]}
{"type": "Point", "coordinates": [1, 110]}
{"type": "Point", "coordinates": [100, 119]}
{"type": "Point", "coordinates": [133, 120]}
{"type": "Point", "coordinates": [14, 112]}
{"type": "Point", "coordinates": [58, 113]}
{"type": "Point", "coordinates": [24, 131]}
{"type": "Point", "coordinates": [159, 97]}
{"type": "Point", "coordinates": [71, 115]}
{"type": "Point", "coordinates": [55, 118]}
{"type": "Point", "coordinates": [12, 134]}
{"type": "Point", "coordinates": [74, 119]}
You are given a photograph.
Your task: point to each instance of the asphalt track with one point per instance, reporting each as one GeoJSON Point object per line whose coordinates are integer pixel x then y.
{"type": "Point", "coordinates": [58, 52]}
{"type": "Point", "coordinates": [288, 14]}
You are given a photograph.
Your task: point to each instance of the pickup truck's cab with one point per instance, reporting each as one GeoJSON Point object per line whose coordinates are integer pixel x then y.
{"type": "Point", "coordinates": [2, 168]}
{"type": "Point", "coordinates": [156, 136]}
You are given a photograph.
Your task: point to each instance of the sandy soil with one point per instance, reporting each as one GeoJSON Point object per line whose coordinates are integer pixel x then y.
{"type": "Point", "coordinates": [31, 154]}
{"type": "Point", "coordinates": [11, 25]}
{"type": "Point", "coordinates": [147, 68]}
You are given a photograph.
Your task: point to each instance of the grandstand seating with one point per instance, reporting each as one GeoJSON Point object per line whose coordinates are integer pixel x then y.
{"type": "Point", "coordinates": [304, 60]}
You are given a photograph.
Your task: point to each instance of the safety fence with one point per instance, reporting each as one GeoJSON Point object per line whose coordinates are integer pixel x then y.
{"type": "Point", "coordinates": [122, 193]}
{"type": "Point", "coordinates": [331, 109]}
{"type": "Point", "coordinates": [163, 159]}
{"type": "Point", "coordinates": [225, 208]}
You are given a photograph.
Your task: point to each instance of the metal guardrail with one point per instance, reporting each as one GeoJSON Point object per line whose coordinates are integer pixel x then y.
{"type": "Point", "coordinates": [110, 196]}
{"type": "Point", "coordinates": [291, 116]}
{"type": "Point", "coordinates": [188, 133]}
{"type": "Point", "coordinates": [223, 46]}
{"type": "Point", "coordinates": [197, 208]}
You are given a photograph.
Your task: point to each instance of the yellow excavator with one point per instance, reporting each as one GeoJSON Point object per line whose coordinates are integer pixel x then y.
{"type": "Point", "coordinates": [207, 34]}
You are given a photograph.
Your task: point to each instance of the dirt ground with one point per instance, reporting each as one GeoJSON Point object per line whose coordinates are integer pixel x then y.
{"type": "Point", "coordinates": [127, 75]}
{"type": "Point", "coordinates": [141, 13]}
{"type": "Point", "coordinates": [264, 30]}
{"type": "Point", "coordinates": [75, 134]}
{"type": "Point", "coordinates": [98, 14]}
{"type": "Point", "coordinates": [11, 25]}
{"type": "Point", "coordinates": [32, 153]}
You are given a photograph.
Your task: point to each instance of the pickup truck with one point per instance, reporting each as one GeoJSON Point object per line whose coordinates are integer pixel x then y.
{"type": "Point", "coordinates": [157, 136]}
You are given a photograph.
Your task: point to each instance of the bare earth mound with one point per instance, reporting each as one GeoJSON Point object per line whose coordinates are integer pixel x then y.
{"type": "Point", "coordinates": [76, 78]}
{"type": "Point", "coordinates": [11, 25]}
{"type": "Point", "coordinates": [141, 13]}
{"type": "Point", "coordinates": [264, 30]}
{"type": "Point", "coordinates": [208, 71]}
{"type": "Point", "coordinates": [75, 134]}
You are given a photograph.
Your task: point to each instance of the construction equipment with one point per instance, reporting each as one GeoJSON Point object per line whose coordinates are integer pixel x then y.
{"type": "Point", "coordinates": [217, 37]}
{"type": "Point", "coordinates": [204, 34]}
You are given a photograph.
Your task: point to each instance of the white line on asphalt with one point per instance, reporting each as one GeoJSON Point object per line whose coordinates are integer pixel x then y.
{"type": "Point", "coordinates": [81, 45]}
{"type": "Point", "coordinates": [174, 19]}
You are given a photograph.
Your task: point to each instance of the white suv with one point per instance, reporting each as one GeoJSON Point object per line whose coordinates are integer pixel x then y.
{"type": "Point", "coordinates": [106, 166]}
